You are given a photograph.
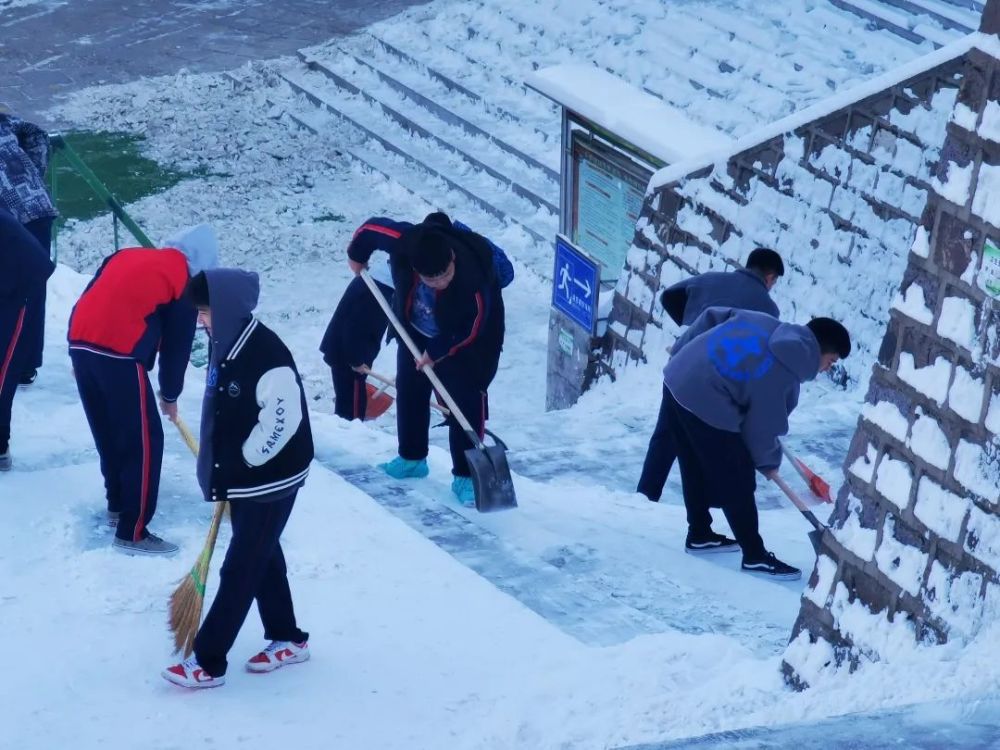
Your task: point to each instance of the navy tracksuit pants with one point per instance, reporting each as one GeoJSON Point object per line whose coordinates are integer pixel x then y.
{"type": "Point", "coordinates": [458, 374]}
{"type": "Point", "coordinates": [716, 470]}
{"type": "Point", "coordinates": [254, 568]}
{"type": "Point", "coordinates": [34, 322]}
{"type": "Point", "coordinates": [660, 456]}
{"type": "Point", "coordinates": [121, 409]}
{"type": "Point", "coordinates": [349, 392]}
{"type": "Point", "coordinates": [12, 357]}
{"type": "Point", "coordinates": [354, 337]}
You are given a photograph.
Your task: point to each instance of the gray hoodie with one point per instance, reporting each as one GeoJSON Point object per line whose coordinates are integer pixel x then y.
{"type": "Point", "coordinates": [232, 298]}
{"type": "Point", "coordinates": [740, 371]}
{"type": "Point", "coordinates": [742, 289]}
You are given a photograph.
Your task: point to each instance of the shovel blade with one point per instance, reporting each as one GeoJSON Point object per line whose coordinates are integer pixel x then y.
{"type": "Point", "coordinates": [816, 537]}
{"type": "Point", "coordinates": [378, 402]}
{"type": "Point", "coordinates": [491, 479]}
{"type": "Point", "coordinates": [820, 488]}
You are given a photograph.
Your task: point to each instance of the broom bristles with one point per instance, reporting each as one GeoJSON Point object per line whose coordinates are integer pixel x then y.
{"type": "Point", "coordinates": [189, 597]}
{"type": "Point", "coordinates": [185, 609]}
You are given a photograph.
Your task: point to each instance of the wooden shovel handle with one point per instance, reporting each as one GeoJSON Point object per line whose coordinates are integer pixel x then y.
{"type": "Point", "coordinates": [797, 502]}
{"type": "Point", "coordinates": [387, 381]}
{"type": "Point", "coordinates": [428, 370]}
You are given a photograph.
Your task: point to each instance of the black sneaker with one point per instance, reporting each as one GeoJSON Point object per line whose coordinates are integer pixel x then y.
{"type": "Point", "coordinates": [709, 544]}
{"type": "Point", "coordinates": [770, 566]}
{"type": "Point", "coordinates": [27, 378]}
{"type": "Point", "coordinates": [151, 545]}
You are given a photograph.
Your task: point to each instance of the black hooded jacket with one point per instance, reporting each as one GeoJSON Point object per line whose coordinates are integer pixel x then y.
{"type": "Point", "coordinates": [469, 313]}
{"type": "Point", "coordinates": [256, 442]}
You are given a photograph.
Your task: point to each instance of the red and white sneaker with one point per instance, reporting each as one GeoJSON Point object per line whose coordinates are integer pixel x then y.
{"type": "Point", "coordinates": [189, 674]}
{"type": "Point", "coordinates": [278, 654]}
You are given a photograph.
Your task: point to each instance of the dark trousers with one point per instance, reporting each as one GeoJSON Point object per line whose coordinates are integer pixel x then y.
{"type": "Point", "coordinates": [12, 356]}
{"type": "Point", "coordinates": [660, 456]}
{"type": "Point", "coordinates": [121, 409]}
{"type": "Point", "coordinates": [254, 568]}
{"type": "Point", "coordinates": [716, 470]}
{"type": "Point", "coordinates": [34, 322]}
{"type": "Point", "coordinates": [350, 396]}
{"type": "Point", "coordinates": [459, 375]}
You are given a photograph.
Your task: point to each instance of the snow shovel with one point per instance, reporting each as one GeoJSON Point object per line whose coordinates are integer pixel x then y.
{"type": "Point", "coordinates": [491, 478]}
{"type": "Point", "coordinates": [388, 382]}
{"type": "Point", "coordinates": [378, 402]}
{"type": "Point", "coordinates": [819, 488]}
{"type": "Point", "coordinates": [816, 535]}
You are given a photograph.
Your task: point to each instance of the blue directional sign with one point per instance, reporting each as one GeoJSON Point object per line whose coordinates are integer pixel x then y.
{"type": "Point", "coordinates": [575, 284]}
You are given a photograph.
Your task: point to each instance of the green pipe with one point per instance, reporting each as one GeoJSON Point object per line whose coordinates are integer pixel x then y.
{"type": "Point", "coordinates": [59, 144]}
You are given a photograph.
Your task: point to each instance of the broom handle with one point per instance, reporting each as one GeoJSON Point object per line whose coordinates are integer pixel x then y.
{"type": "Point", "coordinates": [427, 370]}
{"type": "Point", "coordinates": [220, 509]}
{"type": "Point", "coordinates": [188, 437]}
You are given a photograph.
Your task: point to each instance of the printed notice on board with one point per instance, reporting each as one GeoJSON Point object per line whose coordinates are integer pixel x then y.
{"type": "Point", "coordinates": [608, 203]}
{"type": "Point", "coordinates": [989, 276]}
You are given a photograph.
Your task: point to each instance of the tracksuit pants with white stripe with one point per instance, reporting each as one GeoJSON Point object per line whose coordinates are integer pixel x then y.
{"type": "Point", "coordinates": [122, 412]}
{"type": "Point", "coordinates": [254, 569]}
{"type": "Point", "coordinates": [12, 356]}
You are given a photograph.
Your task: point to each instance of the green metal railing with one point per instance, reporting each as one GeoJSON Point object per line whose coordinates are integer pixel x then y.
{"type": "Point", "coordinates": [62, 150]}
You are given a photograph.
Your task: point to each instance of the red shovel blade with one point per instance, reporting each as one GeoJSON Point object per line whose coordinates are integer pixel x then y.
{"type": "Point", "coordinates": [820, 488]}
{"type": "Point", "coordinates": [378, 402]}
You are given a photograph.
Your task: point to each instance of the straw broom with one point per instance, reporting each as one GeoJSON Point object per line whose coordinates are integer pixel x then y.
{"type": "Point", "coordinates": [187, 600]}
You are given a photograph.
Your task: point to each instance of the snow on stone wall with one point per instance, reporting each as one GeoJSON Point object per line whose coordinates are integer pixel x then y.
{"type": "Point", "coordinates": [915, 533]}
{"type": "Point", "coordinates": [837, 198]}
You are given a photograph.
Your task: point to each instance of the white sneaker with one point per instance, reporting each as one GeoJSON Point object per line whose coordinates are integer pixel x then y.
{"type": "Point", "coordinates": [188, 674]}
{"type": "Point", "coordinates": [277, 655]}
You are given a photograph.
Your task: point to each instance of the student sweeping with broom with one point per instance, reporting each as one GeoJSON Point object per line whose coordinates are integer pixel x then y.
{"type": "Point", "coordinates": [256, 447]}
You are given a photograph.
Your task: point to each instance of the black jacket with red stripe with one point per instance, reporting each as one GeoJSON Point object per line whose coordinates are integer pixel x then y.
{"type": "Point", "coordinates": [469, 312]}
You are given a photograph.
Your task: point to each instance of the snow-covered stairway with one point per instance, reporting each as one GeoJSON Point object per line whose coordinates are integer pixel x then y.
{"type": "Point", "coordinates": [733, 65]}
{"type": "Point", "coordinates": [436, 100]}
{"type": "Point", "coordinates": [918, 21]}
{"type": "Point", "coordinates": [502, 165]}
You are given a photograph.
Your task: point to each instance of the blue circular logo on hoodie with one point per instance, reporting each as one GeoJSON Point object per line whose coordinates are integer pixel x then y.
{"type": "Point", "coordinates": [739, 351]}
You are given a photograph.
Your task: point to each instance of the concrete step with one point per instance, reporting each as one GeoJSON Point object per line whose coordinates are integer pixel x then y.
{"type": "Point", "coordinates": [899, 22]}
{"type": "Point", "coordinates": [420, 149]}
{"type": "Point", "coordinates": [515, 128]}
{"type": "Point", "coordinates": [465, 73]}
{"type": "Point", "coordinates": [541, 182]}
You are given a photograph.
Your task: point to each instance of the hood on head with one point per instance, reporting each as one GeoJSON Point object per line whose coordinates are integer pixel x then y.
{"type": "Point", "coordinates": [796, 348]}
{"type": "Point", "coordinates": [232, 297]}
{"type": "Point", "coordinates": [198, 244]}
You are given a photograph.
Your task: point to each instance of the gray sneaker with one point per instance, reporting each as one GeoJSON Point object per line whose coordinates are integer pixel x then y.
{"type": "Point", "coordinates": [5, 461]}
{"type": "Point", "coordinates": [151, 545]}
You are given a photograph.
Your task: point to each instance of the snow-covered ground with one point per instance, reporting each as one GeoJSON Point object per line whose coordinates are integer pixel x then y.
{"type": "Point", "coordinates": [586, 625]}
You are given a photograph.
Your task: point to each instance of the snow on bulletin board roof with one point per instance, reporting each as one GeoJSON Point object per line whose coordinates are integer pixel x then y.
{"type": "Point", "coordinates": [642, 119]}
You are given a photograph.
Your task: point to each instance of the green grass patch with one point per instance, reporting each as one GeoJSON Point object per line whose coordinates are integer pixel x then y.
{"type": "Point", "coordinates": [117, 161]}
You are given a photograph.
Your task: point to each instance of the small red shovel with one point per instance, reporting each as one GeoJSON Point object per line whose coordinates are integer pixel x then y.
{"type": "Point", "coordinates": [816, 484]}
